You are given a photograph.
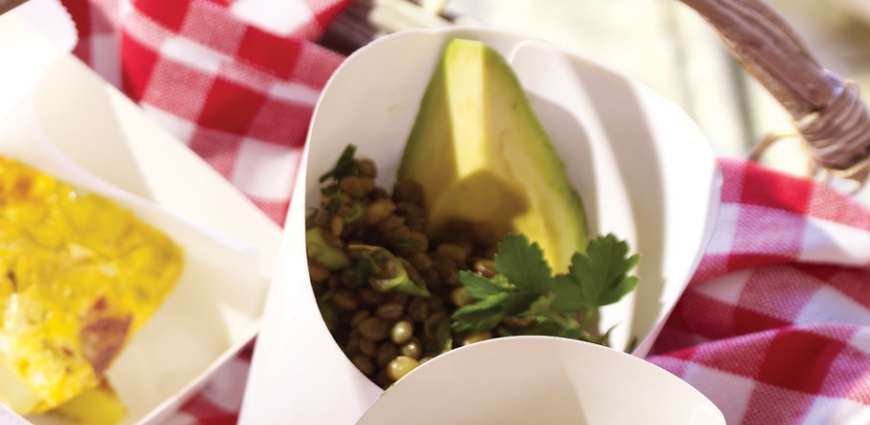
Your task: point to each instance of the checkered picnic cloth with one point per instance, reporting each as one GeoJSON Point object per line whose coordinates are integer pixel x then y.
{"type": "Point", "coordinates": [236, 81]}
{"type": "Point", "coordinates": [774, 328]}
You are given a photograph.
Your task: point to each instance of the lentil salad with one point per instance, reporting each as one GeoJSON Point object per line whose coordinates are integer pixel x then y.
{"type": "Point", "coordinates": [393, 297]}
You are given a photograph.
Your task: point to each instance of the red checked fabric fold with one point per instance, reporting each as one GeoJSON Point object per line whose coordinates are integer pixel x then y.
{"type": "Point", "coordinates": [774, 328]}
{"type": "Point", "coordinates": [236, 81]}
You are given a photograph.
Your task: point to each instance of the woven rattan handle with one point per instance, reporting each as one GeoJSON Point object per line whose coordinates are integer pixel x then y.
{"type": "Point", "coordinates": [826, 110]}
{"type": "Point", "coordinates": [7, 5]}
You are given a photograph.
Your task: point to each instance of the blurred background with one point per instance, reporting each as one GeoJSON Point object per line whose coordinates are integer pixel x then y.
{"type": "Point", "coordinates": [669, 47]}
{"type": "Point", "coordinates": [666, 45]}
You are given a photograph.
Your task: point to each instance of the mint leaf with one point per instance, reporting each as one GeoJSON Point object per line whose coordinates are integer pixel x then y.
{"type": "Point", "coordinates": [481, 287]}
{"type": "Point", "coordinates": [480, 316]}
{"type": "Point", "coordinates": [524, 265]}
{"type": "Point", "coordinates": [346, 166]}
{"type": "Point", "coordinates": [597, 278]}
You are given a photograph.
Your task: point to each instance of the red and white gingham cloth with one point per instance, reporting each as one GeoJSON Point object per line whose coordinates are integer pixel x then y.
{"type": "Point", "coordinates": [238, 95]}
{"type": "Point", "coordinates": [774, 328]}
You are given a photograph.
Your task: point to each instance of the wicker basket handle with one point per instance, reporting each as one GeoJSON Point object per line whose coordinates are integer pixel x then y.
{"type": "Point", "coordinates": [826, 110]}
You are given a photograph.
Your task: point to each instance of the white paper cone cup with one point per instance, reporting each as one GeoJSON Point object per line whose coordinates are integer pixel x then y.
{"type": "Point", "coordinates": [541, 380]}
{"type": "Point", "coordinates": [644, 170]}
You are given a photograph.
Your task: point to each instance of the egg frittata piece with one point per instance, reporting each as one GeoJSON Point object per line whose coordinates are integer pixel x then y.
{"type": "Point", "coordinates": [79, 275]}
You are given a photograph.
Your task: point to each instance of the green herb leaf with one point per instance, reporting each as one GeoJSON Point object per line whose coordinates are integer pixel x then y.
{"type": "Point", "coordinates": [525, 288]}
{"type": "Point", "coordinates": [516, 305]}
{"type": "Point", "coordinates": [444, 337]}
{"type": "Point", "coordinates": [356, 214]}
{"type": "Point", "coordinates": [547, 328]}
{"type": "Point", "coordinates": [575, 334]}
{"type": "Point", "coordinates": [481, 287]}
{"type": "Point", "coordinates": [346, 166]}
{"type": "Point", "coordinates": [334, 197]}
{"type": "Point", "coordinates": [524, 265]}
{"type": "Point", "coordinates": [405, 244]}
{"type": "Point", "coordinates": [480, 316]}
{"type": "Point", "coordinates": [539, 308]}
{"type": "Point", "coordinates": [327, 311]}
{"type": "Point", "coordinates": [365, 268]}
{"type": "Point", "coordinates": [597, 278]}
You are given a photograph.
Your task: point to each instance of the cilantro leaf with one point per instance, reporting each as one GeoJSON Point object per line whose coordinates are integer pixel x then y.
{"type": "Point", "coordinates": [547, 328]}
{"type": "Point", "coordinates": [541, 307]}
{"type": "Point", "coordinates": [346, 166]}
{"type": "Point", "coordinates": [517, 304]}
{"type": "Point", "coordinates": [481, 287]}
{"type": "Point", "coordinates": [524, 289]}
{"type": "Point", "coordinates": [524, 265]}
{"type": "Point", "coordinates": [597, 278]}
{"type": "Point", "coordinates": [480, 316]}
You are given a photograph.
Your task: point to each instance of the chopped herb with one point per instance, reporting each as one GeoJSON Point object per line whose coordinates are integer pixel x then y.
{"type": "Point", "coordinates": [482, 315]}
{"type": "Point", "coordinates": [327, 311]}
{"type": "Point", "coordinates": [481, 287]}
{"type": "Point", "coordinates": [405, 244]}
{"type": "Point", "coordinates": [443, 336]}
{"type": "Point", "coordinates": [380, 261]}
{"type": "Point", "coordinates": [365, 269]}
{"type": "Point", "coordinates": [525, 288]}
{"type": "Point", "coordinates": [334, 196]}
{"type": "Point", "coordinates": [346, 166]}
{"type": "Point", "coordinates": [356, 214]}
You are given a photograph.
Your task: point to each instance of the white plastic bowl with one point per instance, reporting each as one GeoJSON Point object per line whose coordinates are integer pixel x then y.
{"type": "Point", "coordinates": [644, 170]}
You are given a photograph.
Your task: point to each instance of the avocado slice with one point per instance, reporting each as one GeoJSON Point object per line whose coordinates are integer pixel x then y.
{"type": "Point", "coordinates": [481, 155]}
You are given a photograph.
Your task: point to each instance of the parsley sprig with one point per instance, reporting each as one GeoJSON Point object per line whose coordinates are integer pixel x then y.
{"type": "Point", "coordinates": [525, 288]}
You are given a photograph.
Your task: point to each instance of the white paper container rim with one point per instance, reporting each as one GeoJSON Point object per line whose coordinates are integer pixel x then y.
{"type": "Point", "coordinates": [536, 379]}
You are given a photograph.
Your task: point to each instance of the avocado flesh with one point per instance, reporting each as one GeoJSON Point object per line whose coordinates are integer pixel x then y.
{"type": "Point", "coordinates": [481, 155]}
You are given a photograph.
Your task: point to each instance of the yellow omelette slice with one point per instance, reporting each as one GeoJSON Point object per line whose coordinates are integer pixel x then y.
{"type": "Point", "coordinates": [79, 275]}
